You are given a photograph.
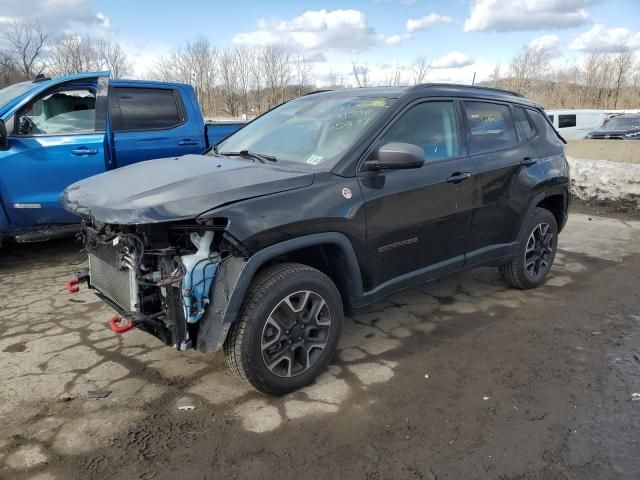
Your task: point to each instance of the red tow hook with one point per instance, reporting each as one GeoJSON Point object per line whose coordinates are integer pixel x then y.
{"type": "Point", "coordinates": [114, 324]}
{"type": "Point", "coordinates": [73, 285]}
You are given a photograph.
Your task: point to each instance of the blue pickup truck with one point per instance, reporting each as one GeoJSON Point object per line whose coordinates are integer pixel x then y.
{"type": "Point", "coordinates": [54, 132]}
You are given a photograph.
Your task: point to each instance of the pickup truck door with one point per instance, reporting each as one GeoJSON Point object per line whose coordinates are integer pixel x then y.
{"type": "Point", "coordinates": [417, 219]}
{"type": "Point", "coordinates": [55, 139]}
{"type": "Point", "coordinates": [150, 122]}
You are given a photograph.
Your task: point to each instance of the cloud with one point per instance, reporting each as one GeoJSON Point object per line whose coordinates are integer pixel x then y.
{"type": "Point", "coordinates": [393, 40]}
{"type": "Point", "coordinates": [56, 16]}
{"type": "Point", "coordinates": [519, 15]}
{"type": "Point", "coordinates": [339, 30]}
{"type": "Point", "coordinates": [547, 42]}
{"type": "Point", "coordinates": [453, 60]}
{"type": "Point", "coordinates": [426, 22]}
{"type": "Point", "coordinates": [601, 39]}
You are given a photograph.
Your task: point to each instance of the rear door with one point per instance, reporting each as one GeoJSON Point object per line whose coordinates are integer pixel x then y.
{"type": "Point", "coordinates": [56, 139]}
{"type": "Point", "coordinates": [417, 219]}
{"type": "Point", "coordinates": [152, 122]}
{"type": "Point", "coordinates": [501, 153]}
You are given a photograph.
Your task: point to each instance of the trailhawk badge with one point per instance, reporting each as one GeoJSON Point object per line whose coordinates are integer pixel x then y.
{"type": "Point", "coordinates": [346, 193]}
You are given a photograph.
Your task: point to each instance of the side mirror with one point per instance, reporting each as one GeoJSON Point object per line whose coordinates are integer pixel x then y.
{"type": "Point", "coordinates": [396, 156]}
{"type": "Point", "coordinates": [4, 139]}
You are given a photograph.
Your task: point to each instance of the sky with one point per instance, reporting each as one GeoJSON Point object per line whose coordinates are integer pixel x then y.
{"type": "Point", "coordinates": [458, 37]}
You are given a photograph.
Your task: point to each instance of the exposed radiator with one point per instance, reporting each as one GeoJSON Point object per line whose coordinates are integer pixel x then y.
{"type": "Point", "coordinates": [107, 276]}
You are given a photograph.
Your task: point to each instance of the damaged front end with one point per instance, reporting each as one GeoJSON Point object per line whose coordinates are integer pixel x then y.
{"type": "Point", "coordinates": [159, 277]}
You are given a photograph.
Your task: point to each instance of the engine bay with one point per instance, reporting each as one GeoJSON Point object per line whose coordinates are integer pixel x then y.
{"type": "Point", "coordinates": [157, 277]}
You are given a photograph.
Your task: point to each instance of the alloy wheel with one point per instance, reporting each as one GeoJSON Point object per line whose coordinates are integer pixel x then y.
{"type": "Point", "coordinates": [295, 333]}
{"type": "Point", "coordinates": [539, 250]}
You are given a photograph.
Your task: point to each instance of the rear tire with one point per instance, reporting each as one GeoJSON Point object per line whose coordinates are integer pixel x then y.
{"type": "Point", "coordinates": [534, 254]}
{"type": "Point", "coordinates": [287, 330]}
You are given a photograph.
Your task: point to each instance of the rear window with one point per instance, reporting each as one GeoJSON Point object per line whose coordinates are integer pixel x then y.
{"type": "Point", "coordinates": [144, 109]}
{"type": "Point", "coordinates": [543, 128]}
{"type": "Point", "coordinates": [565, 121]}
{"type": "Point", "coordinates": [523, 124]}
{"type": "Point", "coordinates": [490, 126]}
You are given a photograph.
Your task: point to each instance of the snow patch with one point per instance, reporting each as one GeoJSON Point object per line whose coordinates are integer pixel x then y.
{"type": "Point", "coordinates": [603, 180]}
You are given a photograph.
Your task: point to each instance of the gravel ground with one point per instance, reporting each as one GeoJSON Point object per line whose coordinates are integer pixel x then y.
{"type": "Point", "coordinates": [460, 379]}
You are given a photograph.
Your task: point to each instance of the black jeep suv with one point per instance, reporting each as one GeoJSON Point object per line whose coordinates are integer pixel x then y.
{"type": "Point", "coordinates": [324, 204]}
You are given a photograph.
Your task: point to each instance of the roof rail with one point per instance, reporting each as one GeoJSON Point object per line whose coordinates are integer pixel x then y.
{"type": "Point", "coordinates": [317, 91]}
{"type": "Point", "coordinates": [479, 87]}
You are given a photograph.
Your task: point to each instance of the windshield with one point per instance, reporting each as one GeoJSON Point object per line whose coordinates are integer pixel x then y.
{"type": "Point", "coordinates": [624, 122]}
{"type": "Point", "coordinates": [314, 130]}
{"type": "Point", "coordinates": [12, 91]}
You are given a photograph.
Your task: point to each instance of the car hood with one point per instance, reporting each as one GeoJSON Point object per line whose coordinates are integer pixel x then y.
{"type": "Point", "coordinates": [172, 189]}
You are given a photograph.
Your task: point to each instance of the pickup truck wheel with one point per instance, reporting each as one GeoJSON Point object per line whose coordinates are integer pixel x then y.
{"type": "Point", "coordinates": [535, 252]}
{"type": "Point", "coordinates": [287, 330]}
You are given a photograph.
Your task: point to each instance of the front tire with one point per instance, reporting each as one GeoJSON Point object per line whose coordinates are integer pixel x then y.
{"type": "Point", "coordinates": [287, 330]}
{"type": "Point", "coordinates": [535, 253]}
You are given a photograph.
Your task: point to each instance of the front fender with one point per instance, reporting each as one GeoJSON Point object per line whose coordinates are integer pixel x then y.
{"type": "Point", "coordinates": [234, 279]}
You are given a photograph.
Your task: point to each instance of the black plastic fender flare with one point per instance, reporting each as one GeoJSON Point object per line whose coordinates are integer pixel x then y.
{"type": "Point", "coordinates": [533, 203]}
{"type": "Point", "coordinates": [215, 325]}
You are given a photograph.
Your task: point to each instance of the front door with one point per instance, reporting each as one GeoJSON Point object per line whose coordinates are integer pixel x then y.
{"type": "Point", "coordinates": [57, 139]}
{"type": "Point", "coordinates": [417, 219]}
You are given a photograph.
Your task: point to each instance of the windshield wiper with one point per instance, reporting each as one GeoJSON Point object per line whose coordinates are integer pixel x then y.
{"type": "Point", "coordinates": [261, 157]}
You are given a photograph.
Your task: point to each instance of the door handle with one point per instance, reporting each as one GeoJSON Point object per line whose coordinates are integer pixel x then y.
{"type": "Point", "coordinates": [458, 177]}
{"type": "Point", "coordinates": [188, 141]}
{"type": "Point", "coordinates": [83, 151]}
{"type": "Point", "coordinates": [528, 161]}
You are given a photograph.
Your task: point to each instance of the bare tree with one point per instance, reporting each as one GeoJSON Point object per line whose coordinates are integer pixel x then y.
{"type": "Point", "coordinates": [303, 70]}
{"type": "Point", "coordinates": [25, 43]}
{"type": "Point", "coordinates": [9, 72]}
{"type": "Point", "coordinates": [396, 77]}
{"type": "Point", "coordinates": [195, 63]}
{"type": "Point", "coordinates": [256, 76]}
{"type": "Point", "coordinates": [360, 73]}
{"type": "Point", "coordinates": [622, 66]}
{"type": "Point", "coordinates": [244, 65]}
{"type": "Point", "coordinates": [275, 62]}
{"type": "Point", "coordinates": [420, 68]}
{"type": "Point", "coordinates": [72, 54]}
{"type": "Point", "coordinates": [596, 72]}
{"type": "Point", "coordinates": [496, 77]}
{"type": "Point", "coordinates": [229, 77]}
{"type": "Point", "coordinates": [113, 58]}
{"type": "Point", "coordinates": [201, 59]}
{"type": "Point", "coordinates": [529, 64]}
{"type": "Point", "coordinates": [333, 80]}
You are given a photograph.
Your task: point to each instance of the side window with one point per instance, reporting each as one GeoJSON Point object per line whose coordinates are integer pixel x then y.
{"type": "Point", "coordinates": [550, 118]}
{"type": "Point", "coordinates": [490, 126]}
{"type": "Point", "coordinates": [144, 109]}
{"type": "Point", "coordinates": [522, 123]}
{"type": "Point", "coordinates": [429, 125]}
{"type": "Point", "coordinates": [66, 110]}
{"type": "Point", "coordinates": [565, 121]}
{"type": "Point", "coordinates": [543, 128]}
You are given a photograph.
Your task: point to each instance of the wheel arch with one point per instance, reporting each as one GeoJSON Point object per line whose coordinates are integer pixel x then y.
{"type": "Point", "coordinates": [556, 201]}
{"type": "Point", "coordinates": [331, 252]}
{"type": "Point", "coordinates": [557, 204]}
